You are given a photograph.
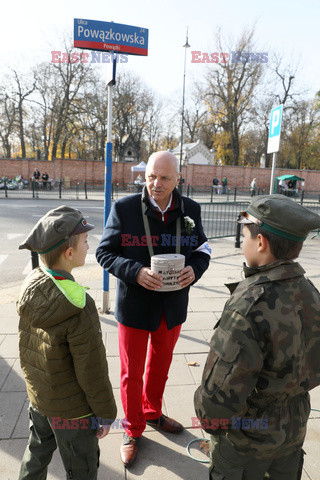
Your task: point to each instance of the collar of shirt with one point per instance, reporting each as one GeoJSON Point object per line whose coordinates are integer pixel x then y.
{"type": "Point", "coordinates": [60, 274]}
{"type": "Point", "coordinates": [154, 203]}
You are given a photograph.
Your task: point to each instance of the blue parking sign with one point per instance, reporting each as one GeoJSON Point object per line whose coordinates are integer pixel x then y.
{"type": "Point", "coordinates": [275, 129]}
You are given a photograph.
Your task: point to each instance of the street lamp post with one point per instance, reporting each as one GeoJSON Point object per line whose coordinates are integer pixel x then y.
{"type": "Point", "coordinates": [185, 46]}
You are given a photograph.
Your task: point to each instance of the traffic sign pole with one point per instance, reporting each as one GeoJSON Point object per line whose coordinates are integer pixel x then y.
{"type": "Point", "coordinates": [114, 37]}
{"type": "Point", "coordinates": [108, 183]}
{"type": "Point", "coordinates": [274, 141]}
{"type": "Point", "coordinates": [273, 174]}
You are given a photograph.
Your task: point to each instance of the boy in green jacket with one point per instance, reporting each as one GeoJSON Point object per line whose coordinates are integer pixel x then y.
{"type": "Point", "coordinates": [265, 351]}
{"type": "Point", "coordinates": [62, 354]}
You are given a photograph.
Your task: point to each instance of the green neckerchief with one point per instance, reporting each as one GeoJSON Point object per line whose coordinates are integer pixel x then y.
{"type": "Point", "coordinates": [75, 293]}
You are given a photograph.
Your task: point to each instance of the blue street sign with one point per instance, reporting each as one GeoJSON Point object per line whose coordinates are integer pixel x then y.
{"type": "Point", "coordinates": [109, 36]}
{"type": "Point", "coordinates": [275, 129]}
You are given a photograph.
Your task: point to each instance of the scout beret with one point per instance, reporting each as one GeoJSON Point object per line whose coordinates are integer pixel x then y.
{"type": "Point", "coordinates": [282, 216]}
{"type": "Point", "coordinates": [54, 228]}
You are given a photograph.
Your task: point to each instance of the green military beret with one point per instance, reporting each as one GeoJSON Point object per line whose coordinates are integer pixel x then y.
{"type": "Point", "coordinates": [282, 216]}
{"type": "Point", "coordinates": [54, 228]}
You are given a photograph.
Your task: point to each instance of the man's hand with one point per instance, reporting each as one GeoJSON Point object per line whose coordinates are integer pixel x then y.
{"type": "Point", "coordinates": [149, 279]}
{"type": "Point", "coordinates": [103, 431]}
{"type": "Point", "coordinates": [187, 276]}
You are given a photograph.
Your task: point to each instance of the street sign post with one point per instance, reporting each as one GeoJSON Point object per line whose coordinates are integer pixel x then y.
{"type": "Point", "coordinates": [115, 38]}
{"type": "Point", "coordinates": [274, 140]}
{"type": "Point", "coordinates": [110, 36]}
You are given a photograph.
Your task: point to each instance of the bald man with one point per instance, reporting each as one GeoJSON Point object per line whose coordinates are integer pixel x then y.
{"type": "Point", "coordinates": [141, 310]}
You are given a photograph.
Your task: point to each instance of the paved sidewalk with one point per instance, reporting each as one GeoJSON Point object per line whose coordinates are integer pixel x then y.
{"type": "Point", "coordinates": [160, 455]}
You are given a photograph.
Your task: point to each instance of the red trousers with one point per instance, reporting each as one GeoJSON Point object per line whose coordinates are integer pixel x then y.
{"type": "Point", "coordinates": [143, 401]}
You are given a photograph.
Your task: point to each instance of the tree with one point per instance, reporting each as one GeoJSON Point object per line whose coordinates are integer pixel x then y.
{"type": "Point", "coordinates": [21, 92]}
{"type": "Point", "coordinates": [8, 115]}
{"type": "Point", "coordinates": [302, 123]}
{"type": "Point", "coordinates": [252, 147]}
{"type": "Point", "coordinates": [70, 78]}
{"type": "Point", "coordinates": [194, 116]}
{"type": "Point", "coordinates": [136, 111]}
{"type": "Point", "coordinates": [56, 103]}
{"type": "Point", "coordinates": [44, 105]}
{"type": "Point", "coordinates": [92, 120]}
{"type": "Point", "coordinates": [231, 87]}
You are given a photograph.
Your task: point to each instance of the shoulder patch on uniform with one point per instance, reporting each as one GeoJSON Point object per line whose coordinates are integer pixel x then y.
{"type": "Point", "coordinates": [243, 301]}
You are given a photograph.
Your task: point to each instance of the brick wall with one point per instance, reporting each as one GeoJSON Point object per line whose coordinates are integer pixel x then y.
{"type": "Point", "coordinates": [195, 175]}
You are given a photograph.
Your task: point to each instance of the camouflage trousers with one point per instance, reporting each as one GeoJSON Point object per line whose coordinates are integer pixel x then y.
{"type": "Point", "coordinates": [228, 464]}
{"type": "Point", "coordinates": [78, 448]}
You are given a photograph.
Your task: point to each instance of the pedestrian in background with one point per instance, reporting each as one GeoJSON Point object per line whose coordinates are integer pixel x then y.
{"type": "Point", "coordinates": [45, 178]}
{"type": "Point", "coordinates": [253, 187]}
{"type": "Point", "coordinates": [215, 183]}
{"type": "Point", "coordinates": [224, 185]}
{"type": "Point", "coordinates": [36, 175]}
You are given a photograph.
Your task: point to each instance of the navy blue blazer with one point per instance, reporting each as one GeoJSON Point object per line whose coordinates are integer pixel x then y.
{"type": "Point", "coordinates": [123, 251]}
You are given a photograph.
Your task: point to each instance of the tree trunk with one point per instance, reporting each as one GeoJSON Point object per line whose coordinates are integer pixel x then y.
{"type": "Point", "coordinates": [21, 131]}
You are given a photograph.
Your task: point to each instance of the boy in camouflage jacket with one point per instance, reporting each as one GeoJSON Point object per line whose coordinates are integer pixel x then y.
{"type": "Point", "coordinates": [265, 352]}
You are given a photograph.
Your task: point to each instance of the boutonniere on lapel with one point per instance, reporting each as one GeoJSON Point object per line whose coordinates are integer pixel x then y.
{"type": "Point", "coordinates": [189, 224]}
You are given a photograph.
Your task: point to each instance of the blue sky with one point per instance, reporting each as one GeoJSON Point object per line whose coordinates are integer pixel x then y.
{"type": "Point", "coordinates": [30, 30]}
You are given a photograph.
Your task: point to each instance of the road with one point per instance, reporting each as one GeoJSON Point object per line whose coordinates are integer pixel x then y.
{"type": "Point", "coordinates": [17, 217]}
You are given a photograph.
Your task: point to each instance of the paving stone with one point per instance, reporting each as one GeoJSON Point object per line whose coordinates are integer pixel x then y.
{"type": "Point", "coordinates": [315, 402]}
{"type": "Point", "coordinates": [15, 380]}
{"type": "Point", "coordinates": [199, 320]}
{"type": "Point", "coordinates": [196, 371]}
{"type": "Point", "coordinates": [179, 373]}
{"type": "Point", "coordinates": [11, 452]}
{"type": "Point", "coordinates": [179, 403]}
{"type": "Point", "coordinates": [164, 456]}
{"type": "Point", "coordinates": [207, 336]}
{"type": "Point", "coordinates": [22, 427]}
{"type": "Point", "coordinates": [108, 323]}
{"type": "Point", "coordinates": [112, 345]}
{"type": "Point", "coordinates": [191, 341]}
{"type": "Point", "coordinates": [9, 318]}
{"type": "Point", "coordinates": [5, 367]}
{"type": "Point", "coordinates": [9, 347]}
{"type": "Point", "coordinates": [216, 292]}
{"type": "Point", "coordinates": [311, 447]}
{"type": "Point", "coordinates": [205, 304]}
{"type": "Point", "coordinates": [111, 466]}
{"type": "Point", "coordinates": [11, 404]}
{"type": "Point", "coordinates": [9, 294]}
{"type": "Point", "coordinates": [114, 370]}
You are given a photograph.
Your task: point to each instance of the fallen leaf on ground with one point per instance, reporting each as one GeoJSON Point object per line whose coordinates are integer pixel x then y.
{"type": "Point", "coordinates": [204, 445]}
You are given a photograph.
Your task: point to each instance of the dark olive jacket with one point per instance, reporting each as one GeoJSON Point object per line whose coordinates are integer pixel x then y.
{"type": "Point", "coordinates": [61, 351]}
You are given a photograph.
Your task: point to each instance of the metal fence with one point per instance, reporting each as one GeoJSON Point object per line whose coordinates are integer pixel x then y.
{"type": "Point", "coordinates": [219, 212]}
{"type": "Point", "coordinates": [85, 190]}
{"type": "Point", "coordinates": [220, 219]}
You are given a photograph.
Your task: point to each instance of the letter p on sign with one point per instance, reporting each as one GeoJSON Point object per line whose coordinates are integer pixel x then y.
{"type": "Point", "coordinates": [275, 129]}
{"type": "Point", "coordinates": [275, 122]}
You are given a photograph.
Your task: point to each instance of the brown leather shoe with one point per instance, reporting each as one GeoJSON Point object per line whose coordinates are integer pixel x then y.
{"type": "Point", "coordinates": [129, 450]}
{"type": "Point", "coordinates": [166, 424]}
